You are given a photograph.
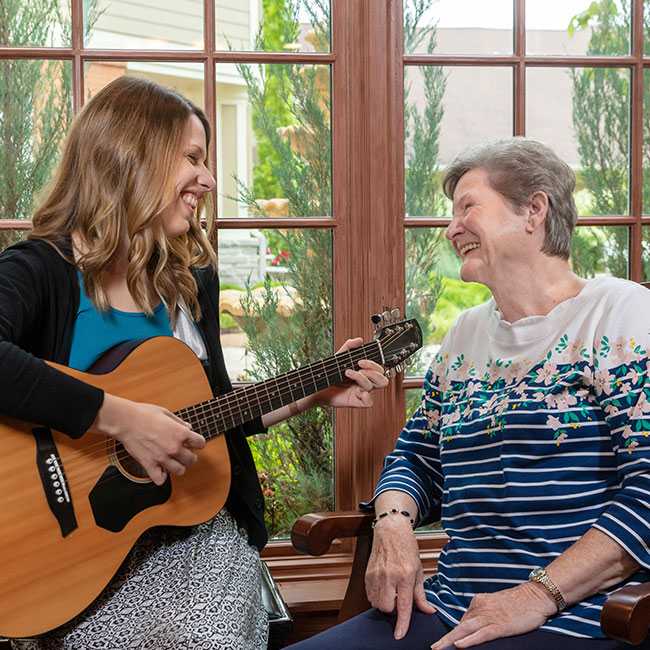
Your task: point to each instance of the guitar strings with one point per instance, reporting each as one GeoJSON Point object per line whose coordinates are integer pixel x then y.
{"type": "Point", "coordinates": [211, 407]}
{"type": "Point", "coordinates": [353, 355]}
{"type": "Point", "coordinates": [119, 454]}
{"type": "Point", "coordinates": [210, 410]}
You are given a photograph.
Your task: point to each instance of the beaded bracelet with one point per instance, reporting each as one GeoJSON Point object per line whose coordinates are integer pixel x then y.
{"type": "Point", "coordinates": [393, 511]}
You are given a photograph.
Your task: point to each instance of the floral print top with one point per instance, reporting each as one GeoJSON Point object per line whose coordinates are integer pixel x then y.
{"type": "Point", "coordinates": [528, 434]}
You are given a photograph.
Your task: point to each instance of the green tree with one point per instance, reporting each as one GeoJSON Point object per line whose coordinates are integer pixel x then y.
{"type": "Point", "coordinates": [35, 105]}
{"type": "Point", "coordinates": [601, 107]}
{"type": "Point", "coordinates": [422, 187]}
{"type": "Point", "coordinates": [291, 121]}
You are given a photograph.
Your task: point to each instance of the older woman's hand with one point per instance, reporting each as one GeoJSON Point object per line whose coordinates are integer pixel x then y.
{"type": "Point", "coordinates": [394, 579]}
{"type": "Point", "coordinates": [509, 612]}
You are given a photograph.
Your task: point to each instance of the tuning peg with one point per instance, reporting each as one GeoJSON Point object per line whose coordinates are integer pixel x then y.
{"type": "Point", "coordinates": [386, 316]}
{"type": "Point", "coordinates": [399, 367]}
{"type": "Point", "coordinates": [376, 319]}
{"type": "Point", "coordinates": [389, 373]}
{"type": "Point", "coordinates": [395, 313]}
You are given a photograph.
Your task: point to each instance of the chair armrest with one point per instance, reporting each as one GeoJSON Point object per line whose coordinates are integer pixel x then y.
{"type": "Point", "coordinates": [313, 534]}
{"type": "Point", "coordinates": [626, 614]}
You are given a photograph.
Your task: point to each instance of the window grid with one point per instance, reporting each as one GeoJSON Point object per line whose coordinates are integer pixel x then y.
{"type": "Point", "coordinates": [361, 204]}
{"type": "Point", "coordinates": [209, 56]}
{"type": "Point", "coordinates": [520, 62]}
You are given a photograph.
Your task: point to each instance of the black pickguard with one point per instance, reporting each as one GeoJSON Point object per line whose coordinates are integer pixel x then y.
{"type": "Point", "coordinates": [116, 499]}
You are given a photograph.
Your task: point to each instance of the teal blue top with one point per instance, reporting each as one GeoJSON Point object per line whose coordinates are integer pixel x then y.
{"type": "Point", "coordinates": [96, 332]}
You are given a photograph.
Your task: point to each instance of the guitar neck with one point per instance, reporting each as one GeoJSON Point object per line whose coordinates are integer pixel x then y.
{"type": "Point", "coordinates": [214, 417]}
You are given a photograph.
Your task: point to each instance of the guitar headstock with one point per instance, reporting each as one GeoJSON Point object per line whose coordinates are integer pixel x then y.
{"type": "Point", "coordinates": [398, 339]}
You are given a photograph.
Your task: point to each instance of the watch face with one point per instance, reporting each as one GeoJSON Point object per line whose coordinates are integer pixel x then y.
{"type": "Point", "coordinates": [536, 573]}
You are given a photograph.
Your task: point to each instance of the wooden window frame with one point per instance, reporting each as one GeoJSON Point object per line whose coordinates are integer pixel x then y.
{"type": "Point", "coordinates": [367, 60]}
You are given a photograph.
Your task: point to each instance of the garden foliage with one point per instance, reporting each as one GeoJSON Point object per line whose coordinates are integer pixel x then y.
{"type": "Point", "coordinates": [601, 119]}
{"type": "Point", "coordinates": [291, 120]}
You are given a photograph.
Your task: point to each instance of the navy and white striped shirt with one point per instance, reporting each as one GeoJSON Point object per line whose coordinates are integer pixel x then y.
{"type": "Point", "coordinates": [529, 434]}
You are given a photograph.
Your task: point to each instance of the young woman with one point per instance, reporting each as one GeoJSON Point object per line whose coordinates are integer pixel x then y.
{"type": "Point", "coordinates": [117, 253]}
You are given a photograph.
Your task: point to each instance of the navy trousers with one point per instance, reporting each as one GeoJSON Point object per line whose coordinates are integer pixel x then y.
{"type": "Point", "coordinates": [373, 630]}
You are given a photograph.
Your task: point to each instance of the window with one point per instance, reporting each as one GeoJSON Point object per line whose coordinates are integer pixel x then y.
{"type": "Point", "coordinates": [569, 73]}
{"type": "Point", "coordinates": [331, 136]}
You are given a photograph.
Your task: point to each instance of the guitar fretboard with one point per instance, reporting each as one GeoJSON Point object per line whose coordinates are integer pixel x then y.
{"type": "Point", "coordinates": [215, 416]}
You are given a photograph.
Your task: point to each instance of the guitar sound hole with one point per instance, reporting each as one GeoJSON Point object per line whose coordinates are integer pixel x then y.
{"type": "Point", "coordinates": [127, 465]}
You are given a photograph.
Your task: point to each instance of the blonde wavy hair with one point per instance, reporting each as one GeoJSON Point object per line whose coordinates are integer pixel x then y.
{"type": "Point", "coordinates": [116, 175]}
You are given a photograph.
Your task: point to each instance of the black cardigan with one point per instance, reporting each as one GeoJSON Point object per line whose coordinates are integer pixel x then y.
{"type": "Point", "coordinates": [39, 298]}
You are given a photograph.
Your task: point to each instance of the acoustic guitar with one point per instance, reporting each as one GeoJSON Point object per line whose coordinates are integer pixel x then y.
{"type": "Point", "coordinates": [70, 510]}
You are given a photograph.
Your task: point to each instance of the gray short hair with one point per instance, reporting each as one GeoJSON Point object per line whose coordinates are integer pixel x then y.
{"type": "Point", "coordinates": [517, 168]}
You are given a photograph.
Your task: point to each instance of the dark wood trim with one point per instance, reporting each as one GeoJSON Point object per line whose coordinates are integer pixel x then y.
{"type": "Point", "coordinates": [210, 101]}
{"type": "Point", "coordinates": [77, 36]}
{"type": "Point", "coordinates": [15, 224]}
{"type": "Point", "coordinates": [97, 54]}
{"type": "Point", "coordinates": [368, 155]}
{"type": "Point", "coordinates": [589, 220]}
{"type": "Point", "coordinates": [636, 144]}
{"type": "Point", "coordinates": [519, 90]}
{"type": "Point", "coordinates": [282, 222]}
{"type": "Point", "coordinates": [530, 60]}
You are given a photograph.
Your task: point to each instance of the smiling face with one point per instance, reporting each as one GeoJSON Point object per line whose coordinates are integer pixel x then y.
{"type": "Point", "coordinates": [193, 179]}
{"type": "Point", "coordinates": [490, 238]}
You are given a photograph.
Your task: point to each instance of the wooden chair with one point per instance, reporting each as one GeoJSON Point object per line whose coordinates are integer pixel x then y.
{"type": "Point", "coordinates": [625, 616]}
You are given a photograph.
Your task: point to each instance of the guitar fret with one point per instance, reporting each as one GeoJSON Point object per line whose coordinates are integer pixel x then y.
{"type": "Point", "coordinates": [276, 400]}
{"type": "Point", "coordinates": [313, 378]}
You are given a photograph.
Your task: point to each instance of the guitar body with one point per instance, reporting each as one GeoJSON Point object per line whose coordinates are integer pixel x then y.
{"type": "Point", "coordinates": [47, 578]}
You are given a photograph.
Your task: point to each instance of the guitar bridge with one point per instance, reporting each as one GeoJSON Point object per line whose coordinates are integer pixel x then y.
{"type": "Point", "coordinates": [53, 480]}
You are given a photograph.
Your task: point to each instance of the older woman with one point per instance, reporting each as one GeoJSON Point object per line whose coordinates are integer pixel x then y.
{"type": "Point", "coordinates": [532, 435]}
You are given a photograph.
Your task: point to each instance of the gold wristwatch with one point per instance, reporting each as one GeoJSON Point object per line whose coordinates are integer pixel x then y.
{"type": "Point", "coordinates": [538, 574]}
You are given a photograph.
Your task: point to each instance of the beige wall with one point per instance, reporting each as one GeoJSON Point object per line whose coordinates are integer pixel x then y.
{"type": "Point", "coordinates": [478, 101]}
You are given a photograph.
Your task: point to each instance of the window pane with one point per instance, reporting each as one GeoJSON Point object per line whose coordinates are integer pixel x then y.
{"type": "Point", "coordinates": [458, 26]}
{"type": "Point", "coordinates": [294, 26]}
{"type": "Point", "coordinates": [424, 110]}
{"type": "Point", "coordinates": [9, 237]}
{"type": "Point", "coordinates": [144, 25]}
{"type": "Point", "coordinates": [646, 142]}
{"type": "Point", "coordinates": [186, 77]}
{"type": "Point", "coordinates": [35, 115]}
{"type": "Point", "coordinates": [273, 328]}
{"type": "Point", "coordinates": [435, 294]}
{"type": "Point", "coordinates": [578, 27]}
{"type": "Point", "coordinates": [294, 466]}
{"type": "Point", "coordinates": [274, 141]}
{"type": "Point", "coordinates": [587, 125]}
{"type": "Point", "coordinates": [35, 24]}
{"type": "Point", "coordinates": [440, 122]}
{"type": "Point", "coordinates": [600, 250]}
{"type": "Point", "coordinates": [646, 253]}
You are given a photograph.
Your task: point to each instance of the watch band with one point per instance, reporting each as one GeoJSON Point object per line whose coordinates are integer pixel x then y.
{"type": "Point", "coordinates": [538, 574]}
